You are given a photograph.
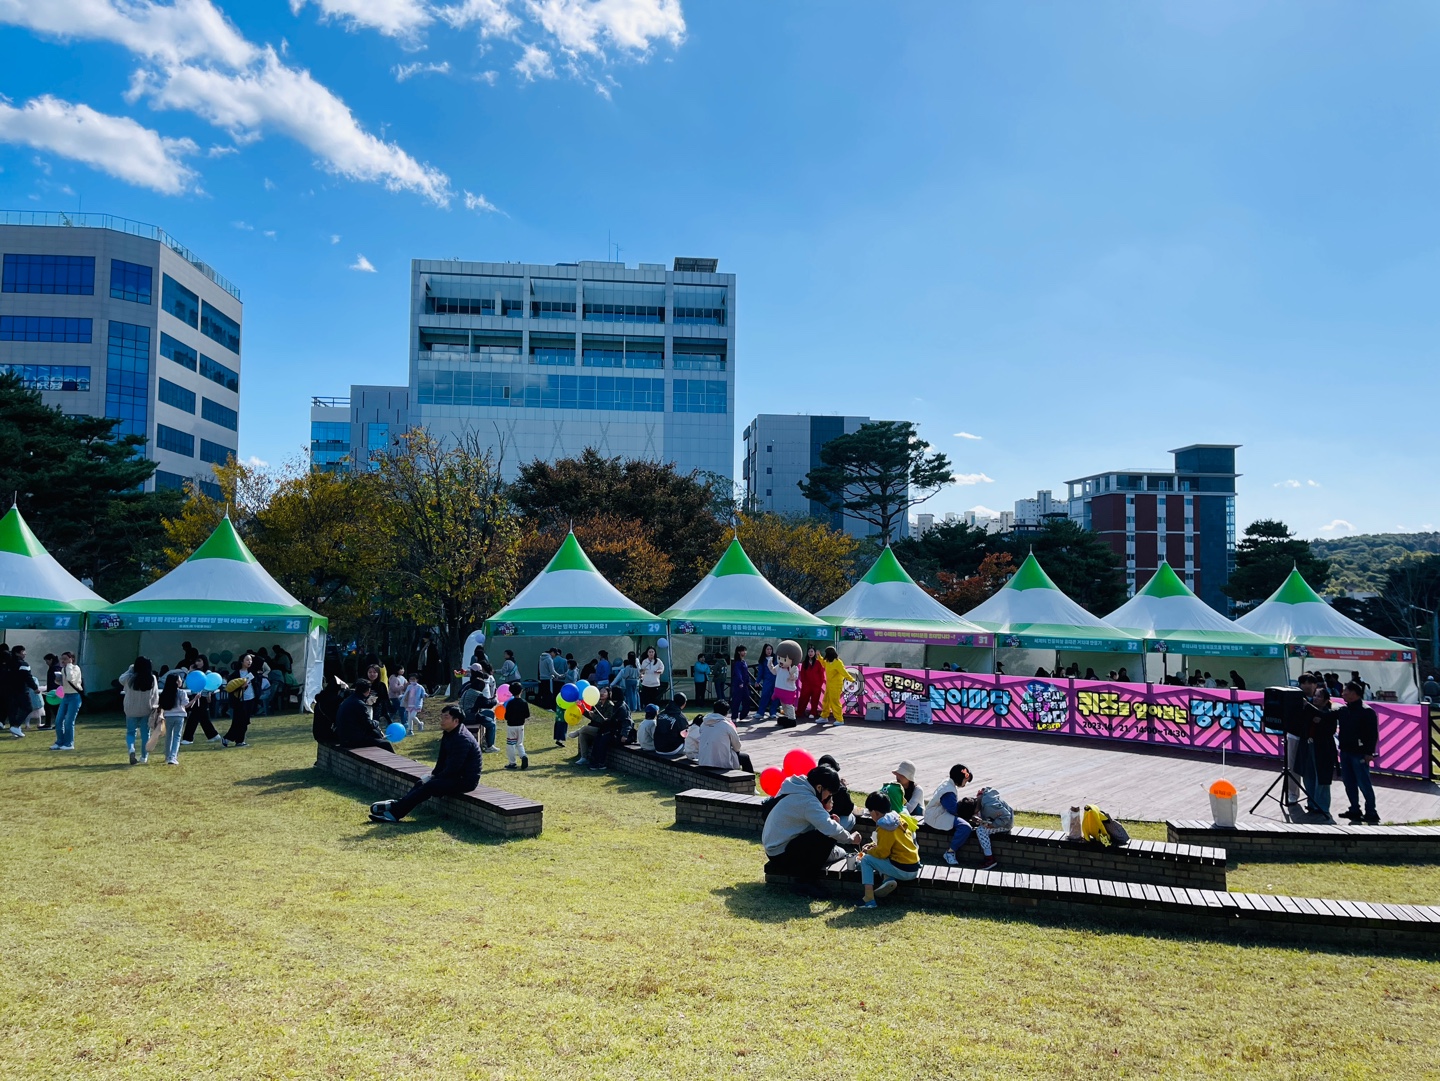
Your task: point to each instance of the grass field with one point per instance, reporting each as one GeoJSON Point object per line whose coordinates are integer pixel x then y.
{"type": "Point", "coordinates": [237, 917]}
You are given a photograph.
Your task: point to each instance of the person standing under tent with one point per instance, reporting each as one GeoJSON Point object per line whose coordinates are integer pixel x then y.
{"type": "Point", "coordinates": [603, 670]}
{"type": "Point", "coordinates": [72, 694]}
{"type": "Point", "coordinates": [242, 695]}
{"type": "Point", "coordinates": [28, 702]}
{"type": "Point", "coordinates": [812, 685]}
{"type": "Point", "coordinates": [174, 701]}
{"type": "Point", "coordinates": [52, 681]}
{"type": "Point", "coordinates": [739, 686]}
{"type": "Point", "coordinates": [701, 672]}
{"type": "Point", "coordinates": [545, 675]}
{"type": "Point", "coordinates": [836, 676]}
{"type": "Point", "coordinates": [651, 669]}
{"type": "Point", "coordinates": [140, 699]}
{"type": "Point", "coordinates": [1236, 680]}
{"type": "Point", "coordinates": [765, 670]}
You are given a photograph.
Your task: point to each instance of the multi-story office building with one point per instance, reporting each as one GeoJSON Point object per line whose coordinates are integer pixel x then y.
{"type": "Point", "coordinates": [780, 452]}
{"type": "Point", "coordinates": [110, 317]}
{"type": "Point", "coordinates": [1185, 515]}
{"type": "Point", "coordinates": [346, 433]}
{"type": "Point", "coordinates": [545, 361]}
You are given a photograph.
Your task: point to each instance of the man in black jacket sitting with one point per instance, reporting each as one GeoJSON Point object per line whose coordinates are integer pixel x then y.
{"type": "Point", "coordinates": [355, 724]}
{"type": "Point", "coordinates": [670, 728]}
{"type": "Point", "coordinates": [1358, 733]}
{"type": "Point", "coordinates": [457, 770]}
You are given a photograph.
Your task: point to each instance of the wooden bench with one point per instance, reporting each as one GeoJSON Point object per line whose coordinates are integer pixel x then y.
{"type": "Point", "coordinates": [679, 772]}
{"type": "Point", "coordinates": [392, 775]}
{"type": "Point", "coordinates": [1132, 906]}
{"type": "Point", "coordinates": [1022, 849]}
{"type": "Point", "coordinates": [1271, 841]}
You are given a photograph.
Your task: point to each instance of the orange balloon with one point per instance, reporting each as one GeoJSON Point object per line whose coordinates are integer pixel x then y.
{"type": "Point", "coordinates": [500, 712]}
{"type": "Point", "coordinates": [1223, 789]}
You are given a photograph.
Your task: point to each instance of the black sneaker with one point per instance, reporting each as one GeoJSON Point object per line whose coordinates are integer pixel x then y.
{"type": "Point", "coordinates": [1353, 814]}
{"type": "Point", "coordinates": [524, 762]}
{"type": "Point", "coordinates": [1372, 820]}
{"type": "Point", "coordinates": [511, 765]}
{"type": "Point", "coordinates": [133, 758]}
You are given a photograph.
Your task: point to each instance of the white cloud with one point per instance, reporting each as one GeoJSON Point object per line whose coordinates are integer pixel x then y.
{"type": "Point", "coordinates": [113, 144]}
{"type": "Point", "coordinates": [494, 16]}
{"type": "Point", "coordinates": [220, 150]}
{"type": "Point", "coordinates": [535, 63]}
{"type": "Point", "coordinates": [361, 263]}
{"type": "Point", "coordinates": [269, 184]}
{"type": "Point", "coordinates": [243, 225]}
{"type": "Point", "coordinates": [1286, 484]}
{"type": "Point", "coordinates": [586, 26]}
{"type": "Point", "coordinates": [487, 77]}
{"type": "Point", "coordinates": [255, 462]}
{"type": "Point", "coordinates": [270, 233]}
{"type": "Point", "coordinates": [406, 71]}
{"type": "Point", "coordinates": [393, 18]}
{"type": "Point", "coordinates": [334, 238]}
{"type": "Point", "coordinates": [966, 479]}
{"type": "Point", "coordinates": [967, 435]}
{"type": "Point", "coordinates": [1339, 525]}
{"type": "Point", "coordinates": [984, 512]}
{"type": "Point", "coordinates": [187, 30]}
{"type": "Point", "coordinates": [1312, 484]}
{"type": "Point", "coordinates": [479, 202]}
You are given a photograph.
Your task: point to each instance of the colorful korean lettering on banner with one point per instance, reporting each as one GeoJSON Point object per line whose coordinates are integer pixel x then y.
{"type": "Point", "coordinates": [1203, 718]}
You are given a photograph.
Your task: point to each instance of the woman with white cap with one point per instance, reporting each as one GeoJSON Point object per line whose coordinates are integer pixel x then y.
{"type": "Point", "coordinates": [912, 794]}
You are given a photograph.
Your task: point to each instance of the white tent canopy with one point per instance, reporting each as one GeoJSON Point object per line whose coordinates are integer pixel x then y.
{"type": "Point", "coordinates": [35, 591]}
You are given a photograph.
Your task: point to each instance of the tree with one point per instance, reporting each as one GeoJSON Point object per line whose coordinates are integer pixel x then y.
{"type": "Point", "coordinates": [877, 473]}
{"type": "Point", "coordinates": [77, 483]}
{"type": "Point", "coordinates": [805, 559]}
{"type": "Point", "coordinates": [1083, 566]}
{"type": "Point", "coordinates": [953, 547]}
{"type": "Point", "coordinates": [962, 594]}
{"type": "Point", "coordinates": [623, 551]}
{"type": "Point", "coordinates": [1266, 555]}
{"type": "Point", "coordinates": [678, 509]}
{"type": "Point", "coordinates": [1404, 608]}
{"type": "Point", "coordinates": [245, 492]}
{"type": "Point", "coordinates": [454, 542]}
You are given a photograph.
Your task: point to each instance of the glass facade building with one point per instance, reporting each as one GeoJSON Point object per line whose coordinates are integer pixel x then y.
{"type": "Point", "coordinates": [108, 317]}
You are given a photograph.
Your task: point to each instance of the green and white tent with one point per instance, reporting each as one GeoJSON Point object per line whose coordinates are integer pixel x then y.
{"type": "Point", "coordinates": [736, 600]}
{"type": "Point", "coordinates": [36, 593]}
{"type": "Point", "coordinates": [570, 598]}
{"type": "Point", "coordinates": [222, 592]}
{"type": "Point", "coordinates": [1030, 612]}
{"type": "Point", "coordinates": [887, 606]}
{"type": "Point", "coordinates": [1172, 619]}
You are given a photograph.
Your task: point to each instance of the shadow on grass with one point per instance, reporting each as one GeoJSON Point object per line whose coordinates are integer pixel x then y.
{"type": "Point", "coordinates": [422, 820]}
{"type": "Point", "coordinates": [763, 903]}
{"type": "Point", "coordinates": [75, 767]}
{"type": "Point", "coordinates": [282, 780]}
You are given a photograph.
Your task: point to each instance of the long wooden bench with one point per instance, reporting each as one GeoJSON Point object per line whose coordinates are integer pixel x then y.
{"type": "Point", "coordinates": [392, 775]}
{"type": "Point", "coordinates": [680, 772]}
{"type": "Point", "coordinates": [1022, 849]}
{"type": "Point", "coordinates": [1261, 841]}
{"type": "Point", "coordinates": [1131, 906]}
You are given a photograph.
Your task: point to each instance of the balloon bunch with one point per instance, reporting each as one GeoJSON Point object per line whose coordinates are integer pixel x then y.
{"type": "Point", "coordinates": [796, 763]}
{"type": "Point", "coordinates": [198, 682]}
{"type": "Point", "coordinates": [579, 699]}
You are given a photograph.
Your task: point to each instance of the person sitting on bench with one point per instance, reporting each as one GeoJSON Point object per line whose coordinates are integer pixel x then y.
{"type": "Point", "coordinates": [942, 813]}
{"type": "Point", "coordinates": [720, 745]}
{"type": "Point", "coordinates": [355, 725]}
{"type": "Point", "coordinates": [799, 835]}
{"type": "Point", "coordinates": [670, 728]}
{"type": "Point", "coordinates": [646, 732]}
{"type": "Point", "coordinates": [457, 770]}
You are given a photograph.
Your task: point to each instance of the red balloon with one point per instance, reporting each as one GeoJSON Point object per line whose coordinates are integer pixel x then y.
{"type": "Point", "coordinates": [770, 780]}
{"type": "Point", "coordinates": [798, 761]}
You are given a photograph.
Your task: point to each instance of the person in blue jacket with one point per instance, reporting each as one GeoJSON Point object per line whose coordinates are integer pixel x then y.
{"type": "Point", "coordinates": [766, 671]}
{"type": "Point", "coordinates": [457, 770]}
{"type": "Point", "coordinates": [739, 686]}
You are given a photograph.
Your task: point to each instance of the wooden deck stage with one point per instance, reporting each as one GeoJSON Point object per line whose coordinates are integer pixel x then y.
{"type": "Point", "coordinates": [1047, 775]}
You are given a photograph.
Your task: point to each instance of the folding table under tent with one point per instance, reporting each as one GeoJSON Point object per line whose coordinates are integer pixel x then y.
{"type": "Point", "coordinates": [1036, 625]}
{"type": "Point", "coordinates": [37, 595]}
{"type": "Point", "coordinates": [1317, 636]}
{"type": "Point", "coordinates": [221, 599]}
{"type": "Point", "coordinates": [1177, 625]}
{"type": "Point", "coordinates": [568, 599]}
{"type": "Point", "coordinates": [886, 618]}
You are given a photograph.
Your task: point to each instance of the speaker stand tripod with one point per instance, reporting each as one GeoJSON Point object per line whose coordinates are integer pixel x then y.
{"type": "Point", "coordinates": [1286, 778]}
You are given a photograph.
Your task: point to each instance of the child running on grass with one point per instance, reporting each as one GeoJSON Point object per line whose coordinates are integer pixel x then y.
{"type": "Point", "coordinates": [893, 856]}
{"type": "Point", "coordinates": [517, 712]}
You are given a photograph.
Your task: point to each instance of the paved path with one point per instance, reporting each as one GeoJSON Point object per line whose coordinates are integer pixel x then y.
{"type": "Point", "coordinates": [1048, 775]}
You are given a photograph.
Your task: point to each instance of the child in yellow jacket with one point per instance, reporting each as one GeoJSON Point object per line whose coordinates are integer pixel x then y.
{"type": "Point", "coordinates": [836, 676]}
{"type": "Point", "coordinates": [893, 855]}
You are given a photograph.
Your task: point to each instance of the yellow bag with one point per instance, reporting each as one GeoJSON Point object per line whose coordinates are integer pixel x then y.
{"type": "Point", "coordinates": [236, 685]}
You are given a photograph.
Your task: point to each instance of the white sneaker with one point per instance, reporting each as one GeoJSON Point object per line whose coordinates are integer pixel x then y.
{"type": "Point", "coordinates": [216, 738]}
{"type": "Point", "coordinates": [16, 732]}
{"type": "Point", "coordinates": [886, 888]}
{"type": "Point", "coordinates": [54, 746]}
{"type": "Point", "coordinates": [172, 761]}
{"type": "Point", "coordinates": [951, 858]}
{"type": "Point", "coordinates": [186, 742]}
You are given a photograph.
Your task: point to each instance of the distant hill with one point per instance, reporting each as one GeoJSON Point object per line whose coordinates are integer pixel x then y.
{"type": "Point", "coordinates": [1360, 562]}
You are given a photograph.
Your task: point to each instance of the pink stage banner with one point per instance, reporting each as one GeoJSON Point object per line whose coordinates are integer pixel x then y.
{"type": "Point", "coordinates": [1196, 717]}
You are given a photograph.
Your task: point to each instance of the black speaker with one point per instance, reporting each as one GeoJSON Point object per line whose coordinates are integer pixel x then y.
{"type": "Point", "coordinates": [1285, 709]}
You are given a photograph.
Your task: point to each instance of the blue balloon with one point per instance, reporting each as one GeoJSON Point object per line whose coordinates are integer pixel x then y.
{"type": "Point", "coordinates": [213, 681]}
{"type": "Point", "coordinates": [662, 643]}
{"type": "Point", "coordinates": [570, 692]}
{"type": "Point", "coordinates": [195, 682]}
{"type": "Point", "coordinates": [582, 684]}
{"type": "Point", "coordinates": [395, 732]}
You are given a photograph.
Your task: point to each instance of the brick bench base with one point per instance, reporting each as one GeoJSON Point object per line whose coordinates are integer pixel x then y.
{"type": "Point", "coordinates": [1022, 849]}
{"type": "Point", "coordinates": [392, 775]}
{"type": "Point", "coordinates": [680, 773]}
{"type": "Point", "coordinates": [1128, 906]}
{"type": "Point", "coordinates": [1271, 841]}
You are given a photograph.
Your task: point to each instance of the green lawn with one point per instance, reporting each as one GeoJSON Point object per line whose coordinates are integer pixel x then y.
{"type": "Point", "coordinates": [237, 917]}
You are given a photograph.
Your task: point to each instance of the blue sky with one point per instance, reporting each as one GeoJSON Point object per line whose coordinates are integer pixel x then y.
{"type": "Point", "coordinates": [1085, 233]}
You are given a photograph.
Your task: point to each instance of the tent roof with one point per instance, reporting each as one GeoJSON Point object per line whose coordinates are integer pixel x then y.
{"type": "Point", "coordinates": [571, 597]}
{"type": "Point", "coordinates": [31, 580]}
{"type": "Point", "coordinates": [888, 601]}
{"type": "Point", "coordinates": [1296, 615]}
{"type": "Point", "coordinates": [735, 598]}
{"type": "Point", "coordinates": [1031, 610]}
{"type": "Point", "coordinates": [1167, 611]}
{"type": "Point", "coordinates": [221, 584]}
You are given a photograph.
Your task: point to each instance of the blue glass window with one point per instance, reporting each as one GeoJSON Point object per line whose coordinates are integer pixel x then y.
{"type": "Point", "coordinates": [165, 479]}
{"type": "Point", "coordinates": [623, 352]}
{"type": "Point", "coordinates": [179, 352]}
{"type": "Point", "coordinates": [73, 275]}
{"type": "Point", "coordinates": [179, 301]}
{"type": "Point", "coordinates": [217, 325]}
{"type": "Point", "coordinates": [214, 452]}
{"type": "Point", "coordinates": [698, 354]}
{"type": "Point", "coordinates": [174, 441]}
{"type": "Point", "coordinates": [176, 395]}
{"type": "Point", "coordinates": [625, 313]}
{"type": "Point", "coordinates": [552, 349]}
{"type": "Point", "coordinates": [700, 396]}
{"type": "Point", "coordinates": [216, 372]}
{"type": "Point", "coordinates": [127, 378]}
{"type": "Point", "coordinates": [542, 391]}
{"type": "Point", "coordinates": [377, 436]}
{"type": "Point", "coordinates": [130, 281]}
{"type": "Point", "coordinates": [329, 446]}
{"type": "Point", "coordinates": [211, 489]}
{"type": "Point", "coordinates": [40, 328]}
{"type": "Point", "coordinates": [50, 376]}
{"type": "Point", "coordinates": [219, 414]}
